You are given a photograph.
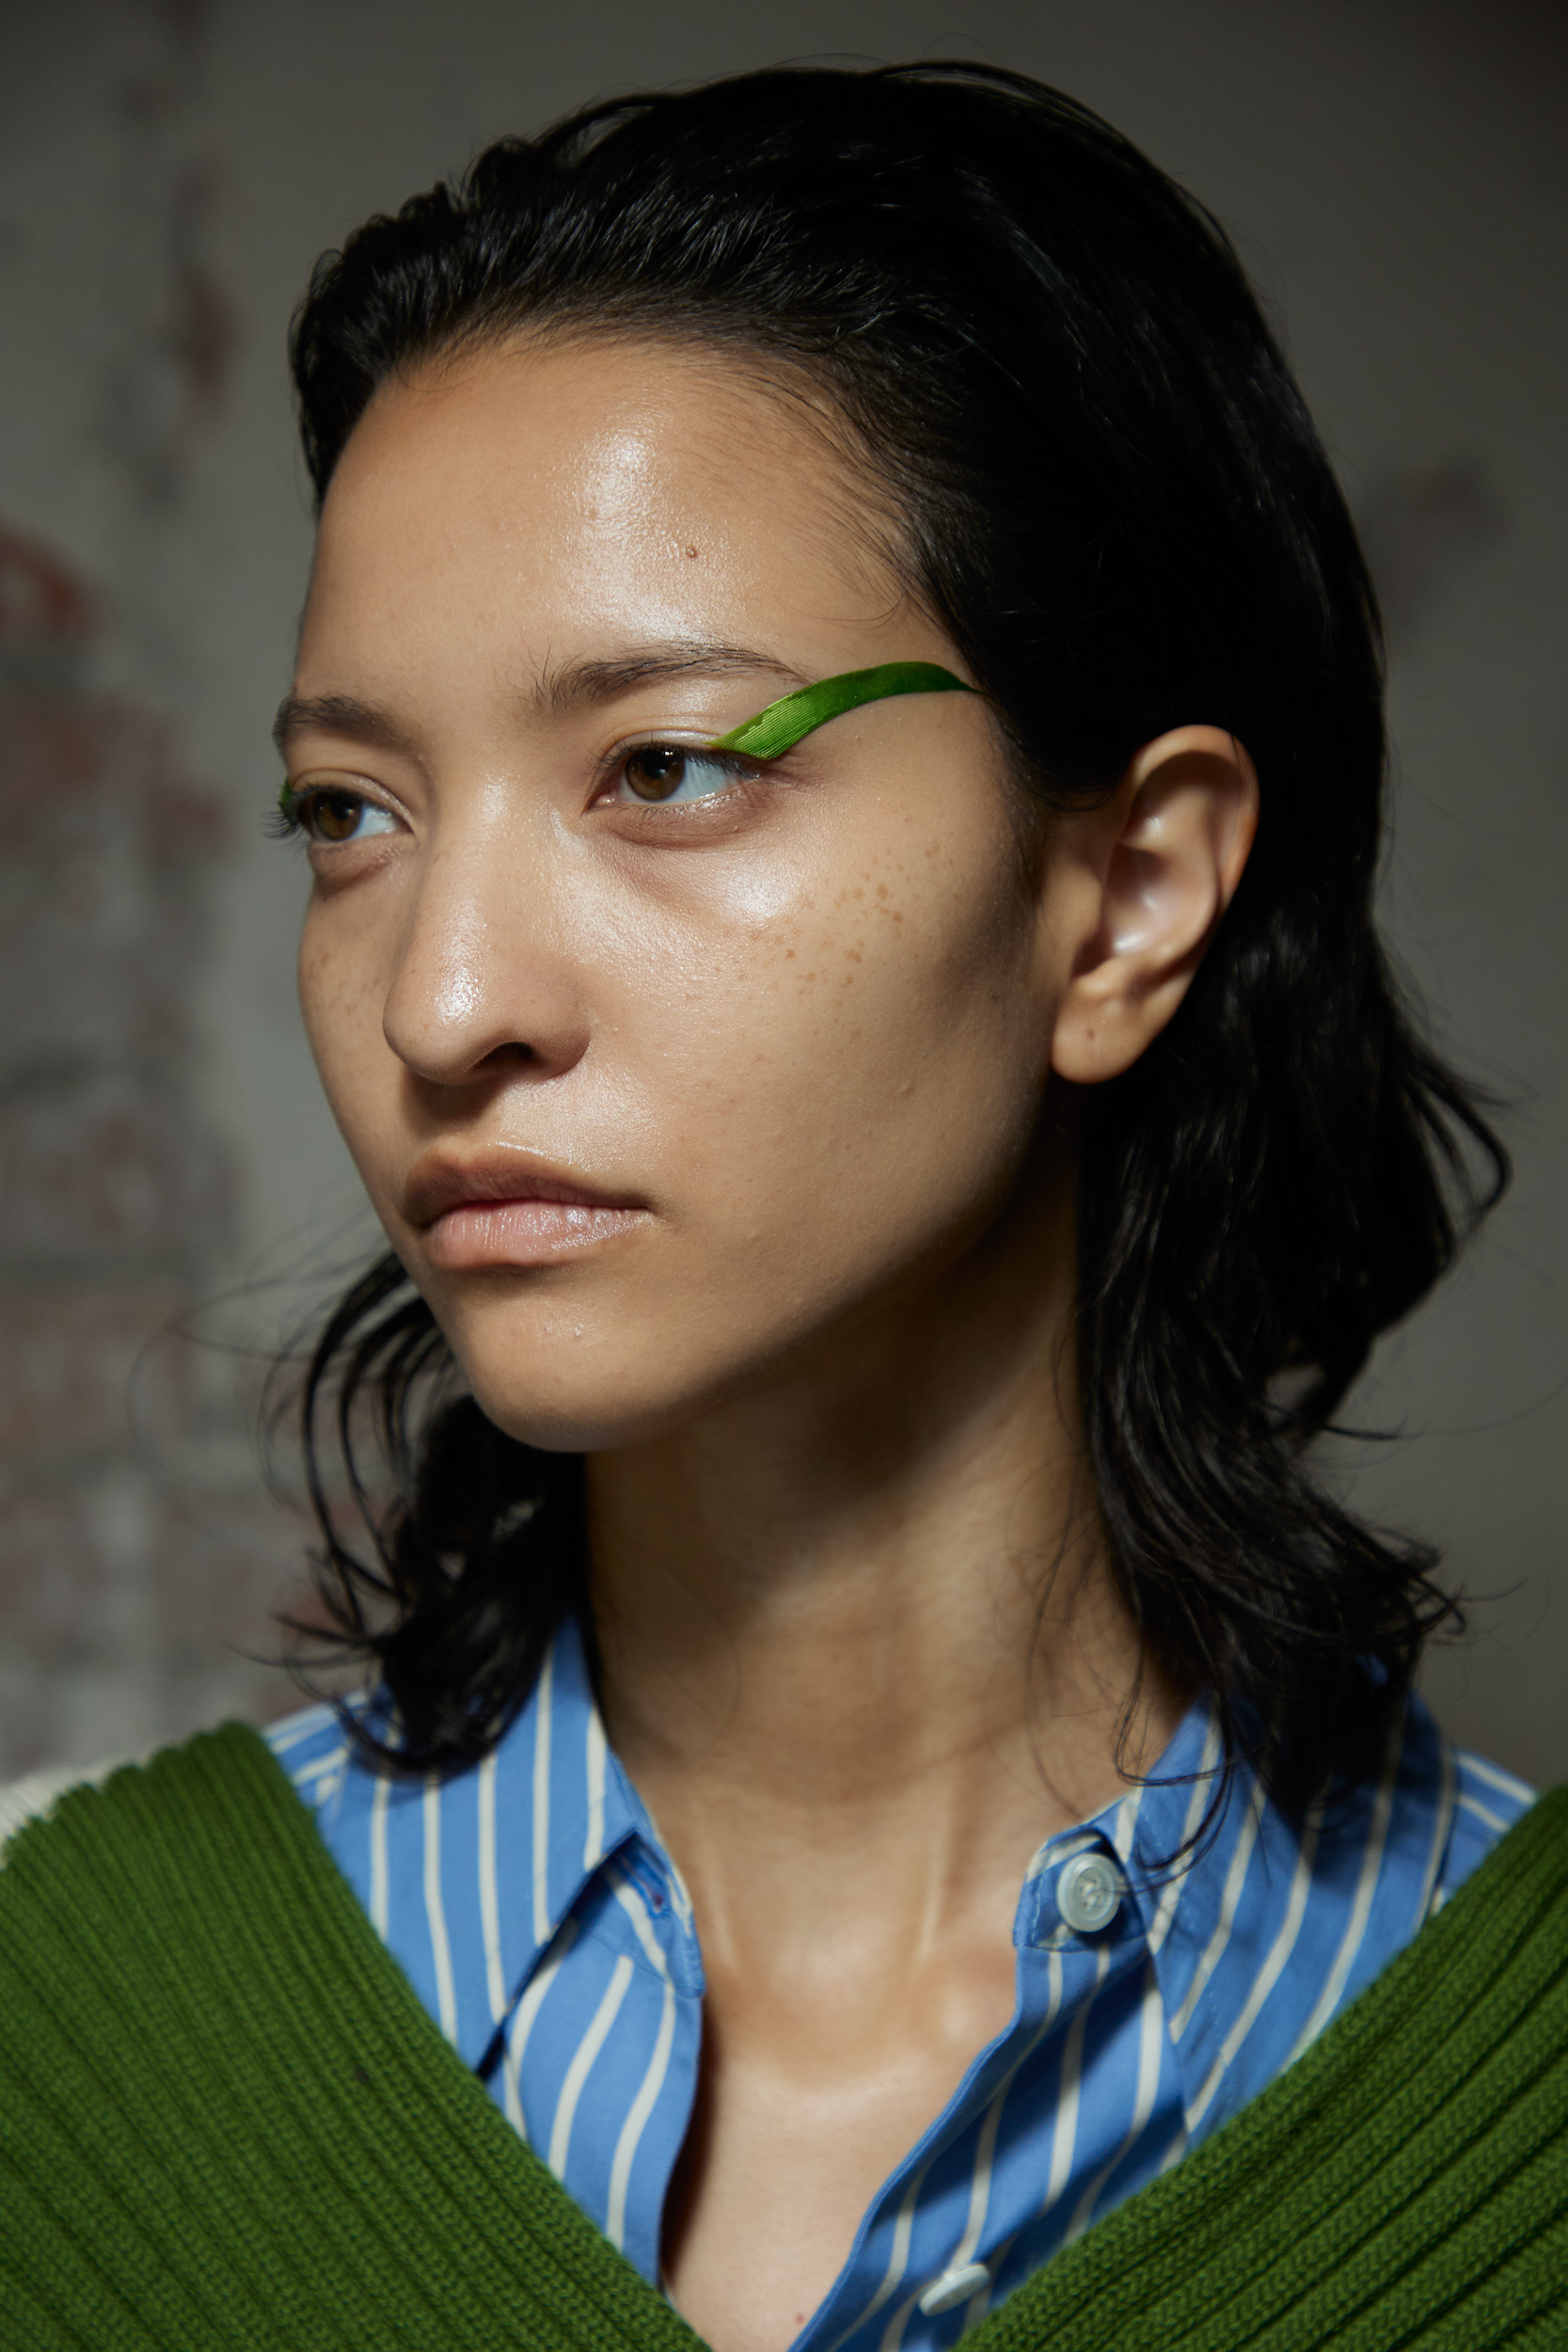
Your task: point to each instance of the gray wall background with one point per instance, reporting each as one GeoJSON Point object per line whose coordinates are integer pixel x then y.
{"type": "Point", "coordinates": [1397, 180]}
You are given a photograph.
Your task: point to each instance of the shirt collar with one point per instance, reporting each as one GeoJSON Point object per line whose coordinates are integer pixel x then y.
{"type": "Point", "coordinates": [469, 1875]}
{"type": "Point", "coordinates": [1239, 1906]}
{"type": "Point", "coordinates": [581, 1808]}
{"type": "Point", "coordinates": [519, 1837]}
{"type": "Point", "coordinates": [1147, 1833]}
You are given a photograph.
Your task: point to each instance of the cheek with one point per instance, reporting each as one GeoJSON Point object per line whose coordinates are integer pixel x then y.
{"type": "Point", "coordinates": [863, 1064]}
{"type": "Point", "coordinates": [340, 1001]}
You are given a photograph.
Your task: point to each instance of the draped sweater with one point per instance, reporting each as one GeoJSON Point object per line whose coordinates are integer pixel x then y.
{"type": "Point", "coordinates": [228, 2124]}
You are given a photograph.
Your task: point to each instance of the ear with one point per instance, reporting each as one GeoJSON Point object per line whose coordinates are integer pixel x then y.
{"type": "Point", "coordinates": [1145, 879]}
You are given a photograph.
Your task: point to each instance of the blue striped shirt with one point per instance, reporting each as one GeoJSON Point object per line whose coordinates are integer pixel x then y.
{"type": "Point", "coordinates": [545, 1927]}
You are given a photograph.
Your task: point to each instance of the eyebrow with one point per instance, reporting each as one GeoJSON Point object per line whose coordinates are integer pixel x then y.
{"type": "Point", "coordinates": [572, 687]}
{"type": "Point", "coordinates": [338, 714]}
{"type": "Point", "coordinates": [581, 682]}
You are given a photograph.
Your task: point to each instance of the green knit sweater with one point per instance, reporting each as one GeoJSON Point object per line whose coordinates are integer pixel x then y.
{"type": "Point", "coordinates": [227, 2125]}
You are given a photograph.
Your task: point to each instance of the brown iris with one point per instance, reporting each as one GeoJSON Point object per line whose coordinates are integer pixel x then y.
{"type": "Point", "coordinates": [653, 775]}
{"type": "Point", "coordinates": [332, 816]}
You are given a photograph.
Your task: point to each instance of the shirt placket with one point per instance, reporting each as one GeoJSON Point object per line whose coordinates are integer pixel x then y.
{"type": "Point", "coordinates": [1074, 1926]}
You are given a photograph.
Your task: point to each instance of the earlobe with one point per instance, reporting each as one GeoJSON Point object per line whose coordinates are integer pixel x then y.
{"type": "Point", "coordinates": [1157, 865]}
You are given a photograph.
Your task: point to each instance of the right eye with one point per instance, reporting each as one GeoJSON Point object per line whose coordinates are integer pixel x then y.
{"type": "Point", "coordinates": [328, 814]}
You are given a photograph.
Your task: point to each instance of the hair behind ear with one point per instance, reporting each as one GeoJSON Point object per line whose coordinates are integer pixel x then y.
{"type": "Point", "coordinates": [1263, 1195]}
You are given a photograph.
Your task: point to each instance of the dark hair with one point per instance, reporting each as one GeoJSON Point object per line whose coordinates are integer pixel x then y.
{"type": "Point", "coordinates": [1117, 505]}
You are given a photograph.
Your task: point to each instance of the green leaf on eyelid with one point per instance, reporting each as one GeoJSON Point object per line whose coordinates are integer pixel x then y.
{"type": "Point", "coordinates": [781, 726]}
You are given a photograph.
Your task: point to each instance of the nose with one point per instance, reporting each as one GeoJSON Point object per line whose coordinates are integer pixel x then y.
{"type": "Point", "coordinates": [484, 983]}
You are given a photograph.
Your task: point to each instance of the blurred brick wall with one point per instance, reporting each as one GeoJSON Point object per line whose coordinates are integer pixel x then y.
{"type": "Point", "coordinates": [139, 1558]}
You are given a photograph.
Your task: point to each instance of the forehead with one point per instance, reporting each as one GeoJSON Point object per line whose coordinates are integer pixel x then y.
{"type": "Point", "coordinates": [611, 480]}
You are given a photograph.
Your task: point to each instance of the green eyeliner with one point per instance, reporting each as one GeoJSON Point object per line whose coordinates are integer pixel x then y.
{"type": "Point", "coordinates": [781, 726]}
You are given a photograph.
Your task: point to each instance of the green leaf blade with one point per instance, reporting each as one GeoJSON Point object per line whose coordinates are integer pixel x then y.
{"type": "Point", "coordinates": [784, 723]}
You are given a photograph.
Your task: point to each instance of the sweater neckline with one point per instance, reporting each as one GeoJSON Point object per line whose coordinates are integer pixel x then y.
{"type": "Point", "coordinates": [190, 1989]}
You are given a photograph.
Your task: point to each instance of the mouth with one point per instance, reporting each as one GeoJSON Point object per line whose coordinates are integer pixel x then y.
{"type": "Point", "coordinates": [509, 1208]}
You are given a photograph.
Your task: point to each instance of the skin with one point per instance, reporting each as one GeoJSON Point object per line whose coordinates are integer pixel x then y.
{"type": "Point", "coordinates": [819, 1038]}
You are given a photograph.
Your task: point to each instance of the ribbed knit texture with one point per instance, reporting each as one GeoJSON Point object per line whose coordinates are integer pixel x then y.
{"type": "Point", "coordinates": [226, 2123]}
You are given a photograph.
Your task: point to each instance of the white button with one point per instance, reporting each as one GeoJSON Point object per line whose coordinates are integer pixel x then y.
{"type": "Point", "coordinates": [1088, 1893]}
{"type": "Point", "coordinates": [953, 2288]}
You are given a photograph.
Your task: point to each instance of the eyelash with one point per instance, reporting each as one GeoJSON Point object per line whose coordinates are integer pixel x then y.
{"type": "Point", "coordinates": [287, 822]}
{"type": "Point", "coordinates": [283, 818]}
{"type": "Point", "coordinates": [733, 765]}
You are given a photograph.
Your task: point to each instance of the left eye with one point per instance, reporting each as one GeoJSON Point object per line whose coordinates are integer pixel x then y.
{"type": "Point", "coordinates": [338, 817]}
{"type": "Point", "coordinates": [665, 773]}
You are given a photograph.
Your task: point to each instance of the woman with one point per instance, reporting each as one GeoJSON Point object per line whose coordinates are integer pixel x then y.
{"type": "Point", "coordinates": [837, 737]}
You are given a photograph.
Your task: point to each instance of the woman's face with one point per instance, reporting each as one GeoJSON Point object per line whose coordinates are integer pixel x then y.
{"type": "Point", "coordinates": [656, 1098]}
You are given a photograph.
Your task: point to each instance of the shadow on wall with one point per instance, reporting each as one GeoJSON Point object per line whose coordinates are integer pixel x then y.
{"type": "Point", "coordinates": [138, 1558]}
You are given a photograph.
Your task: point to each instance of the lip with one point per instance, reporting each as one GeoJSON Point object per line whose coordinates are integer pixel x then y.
{"type": "Point", "coordinates": [509, 1208]}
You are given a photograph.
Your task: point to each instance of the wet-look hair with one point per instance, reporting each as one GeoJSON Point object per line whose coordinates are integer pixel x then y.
{"type": "Point", "coordinates": [1114, 500]}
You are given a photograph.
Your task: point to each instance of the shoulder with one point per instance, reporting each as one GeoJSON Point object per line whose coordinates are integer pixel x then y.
{"type": "Point", "coordinates": [311, 1746]}
{"type": "Point", "coordinates": [124, 1804]}
{"type": "Point", "coordinates": [1485, 1803]}
{"type": "Point", "coordinates": [1428, 1823]}
{"type": "Point", "coordinates": [36, 1794]}
{"type": "Point", "coordinates": [316, 1751]}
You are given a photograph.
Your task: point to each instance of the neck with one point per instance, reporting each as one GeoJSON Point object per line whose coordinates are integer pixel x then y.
{"type": "Point", "coordinates": [861, 1620]}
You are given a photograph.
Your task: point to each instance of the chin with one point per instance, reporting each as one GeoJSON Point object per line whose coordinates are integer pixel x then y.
{"type": "Point", "coordinates": [588, 1366]}
{"type": "Point", "coordinates": [569, 1422]}
{"type": "Point", "coordinates": [573, 1395]}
